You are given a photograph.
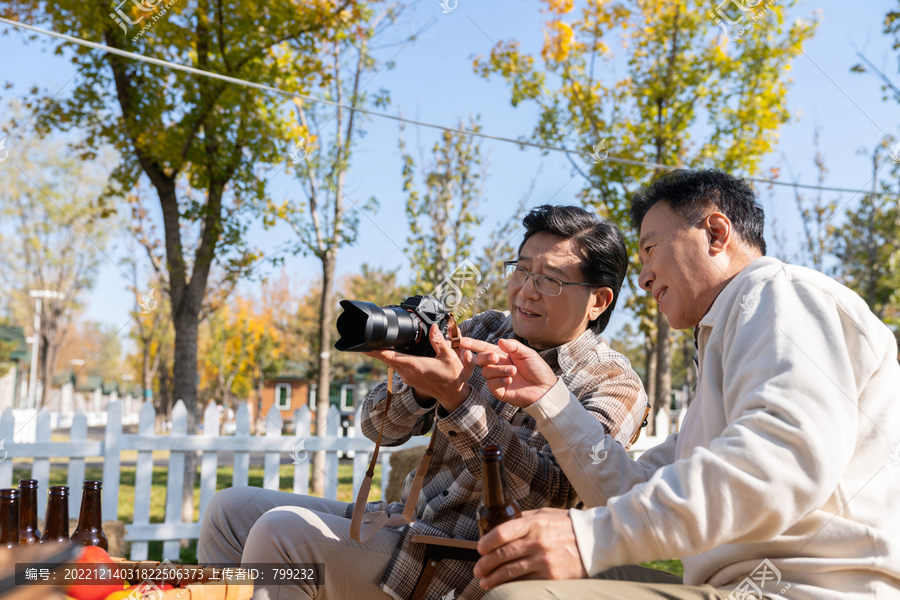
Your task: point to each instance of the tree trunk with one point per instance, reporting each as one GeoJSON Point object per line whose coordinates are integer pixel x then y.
{"type": "Point", "coordinates": [650, 374]}
{"type": "Point", "coordinates": [689, 372]}
{"type": "Point", "coordinates": [163, 402]}
{"type": "Point", "coordinates": [147, 372]}
{"type": "Point", "coordinates": [663, 388]}
{"type": "Point", "coordinates": [185, 384]}
{"type": "Point", "coordinates": [47, 354]}
{"type": "Point", "coordinates": [259, 392]}
{"type": "Point", "coordinates": [324, 382]}
{"type": "Point", "coordinates": [50, 343]}
{"type": "Point", "coordinates": [871, 250]}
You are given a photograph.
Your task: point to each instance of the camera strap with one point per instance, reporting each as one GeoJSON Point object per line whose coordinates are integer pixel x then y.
{"type": "Point", "coordinates": [378, 520]}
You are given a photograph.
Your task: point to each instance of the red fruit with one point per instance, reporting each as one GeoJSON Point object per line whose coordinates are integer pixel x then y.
{"type": "Point", "coordinates": [93, 557]}
{"type": "Point", "coordinates": [94, 554]}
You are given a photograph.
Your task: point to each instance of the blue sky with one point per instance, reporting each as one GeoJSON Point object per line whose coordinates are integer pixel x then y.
{"type": "Point", "coordinates": [433, 81]}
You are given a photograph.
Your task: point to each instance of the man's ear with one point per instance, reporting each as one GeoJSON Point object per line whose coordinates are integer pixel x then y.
{"type": "Point", "coordinates": [601, 299]}
{"type": "Point", "coordinates": [719, 232]}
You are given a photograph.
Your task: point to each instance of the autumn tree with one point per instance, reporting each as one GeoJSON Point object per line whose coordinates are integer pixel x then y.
{"type": "Point", "coordinates": [57, 236]}
{"type": "Point", "coordinates": [237, 338]}
{"type": "Point", "coordinates": [502, 245]}
{"type": "Point", "coordinates": [150, 330]}
{"type": "Point", "coordinates": [867, 243]}
{"type": "Point", "coordinates": [816, 214]}
{"type": "Point", "coordinates": [443, 213]}
{"type": "Point", "coordinates": [324, 138]}
{"type": "Point", "coordinates": [370, 284]}
{"type": "Point", "coordinates": [197, 140]}
{"type": "Point", "coordinates": [688, 90]}
{"type": "Point", "coordinates": [96, 348]}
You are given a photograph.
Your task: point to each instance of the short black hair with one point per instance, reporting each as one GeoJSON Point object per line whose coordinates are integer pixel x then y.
{"type": "Point", "coordinates": [690, 193]}
{"type": "Point", "coordinates": [599, 244]}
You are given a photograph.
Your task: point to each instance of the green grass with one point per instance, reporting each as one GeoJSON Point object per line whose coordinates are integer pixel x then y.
{"type": "Point", "coordinates": [673, 566]}
{"type": "Point", "coordinates": [223, 480]}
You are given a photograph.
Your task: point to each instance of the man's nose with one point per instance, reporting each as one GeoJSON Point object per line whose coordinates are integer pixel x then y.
{"type": "Point", "coordinates": [645, 279]}
{"type": "Point", "coordinates": [529, 289]}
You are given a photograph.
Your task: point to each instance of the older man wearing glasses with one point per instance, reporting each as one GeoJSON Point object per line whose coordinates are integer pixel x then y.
{"type": "Point", "coordinates": [781, 483]}
{"type": "Point", "coordinates": [562, 290]}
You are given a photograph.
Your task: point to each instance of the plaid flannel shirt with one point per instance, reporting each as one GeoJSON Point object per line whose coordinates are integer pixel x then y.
{"type": "Point", "coordinates": [599, 377]}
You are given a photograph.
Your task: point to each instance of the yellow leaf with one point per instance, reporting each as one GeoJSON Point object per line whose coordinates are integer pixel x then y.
{"type": "Point", "coordinates": [558, 38]}
{"type": "Point", "coordinates": [559, 6]}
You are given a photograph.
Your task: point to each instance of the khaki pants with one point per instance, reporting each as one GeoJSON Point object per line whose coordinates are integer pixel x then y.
{"type": "Point", "coordinates": [250, 525]}
{"type": "Point", "coordinates": [619, 583]}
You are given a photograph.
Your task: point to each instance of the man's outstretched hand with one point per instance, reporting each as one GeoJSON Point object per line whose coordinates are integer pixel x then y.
{"type": "Point", "coordinates": [444, 377]}
{"type": "Point", "coordinates": [540, 545]}
{"type": "Point", "coordinates": [514, 373]}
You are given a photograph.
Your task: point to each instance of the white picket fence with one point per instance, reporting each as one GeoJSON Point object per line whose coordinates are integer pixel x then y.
{"type": "Point", "coordinates": [140, 531]}
{"type": "Point", "coordinates": [273, 443]}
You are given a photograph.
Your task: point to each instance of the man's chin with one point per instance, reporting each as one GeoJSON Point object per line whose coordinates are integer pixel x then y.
{"type": "Point", "coordinates": [672, 320]}
{"type": "Point", "coordinates": [678, 322]}
{"type": "Point", "coordinates": [524, 331]}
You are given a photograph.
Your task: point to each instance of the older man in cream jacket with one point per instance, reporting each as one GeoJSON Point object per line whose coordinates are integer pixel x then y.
{"type": "Point", "coordinates": [785, 477]}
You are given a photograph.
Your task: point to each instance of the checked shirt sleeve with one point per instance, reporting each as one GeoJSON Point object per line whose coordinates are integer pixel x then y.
{"type": "Point", "coordinates": [535, 478]}
{"type": "Point", "coordinates": [604, 384]}
{"type": "Point", "coordinates": [405, 419]}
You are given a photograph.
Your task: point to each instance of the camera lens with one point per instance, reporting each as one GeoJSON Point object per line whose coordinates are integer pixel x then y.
{"type": "Point", "coordinates": [364, 326]}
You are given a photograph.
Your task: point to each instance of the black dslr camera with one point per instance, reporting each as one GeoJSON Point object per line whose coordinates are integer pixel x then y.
{"type": "Point", "coordinates": [364, 326]}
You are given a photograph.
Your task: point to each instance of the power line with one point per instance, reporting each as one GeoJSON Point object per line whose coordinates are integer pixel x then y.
{"type": "Point", "coordinates": [268, 88]}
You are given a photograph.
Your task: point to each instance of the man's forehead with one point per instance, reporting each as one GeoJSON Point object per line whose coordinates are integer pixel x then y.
{"type": "Point", "coordinates": [659, 220]}
{"type": "Point", "coordinates": [557, 254]}
{"type": "Point", "coordinates": [648, 237]}
{"type": "Point", "coordinates": [552, 261]}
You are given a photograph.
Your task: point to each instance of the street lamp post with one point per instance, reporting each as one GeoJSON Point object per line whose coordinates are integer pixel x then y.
{"type": "Point", "coordinates": [38, 296]}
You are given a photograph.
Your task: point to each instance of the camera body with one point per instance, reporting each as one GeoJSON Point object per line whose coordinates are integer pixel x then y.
{"type": "Point", "coordinates": [363, 326]}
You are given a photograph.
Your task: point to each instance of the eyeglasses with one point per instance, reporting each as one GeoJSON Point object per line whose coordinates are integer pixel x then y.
{"type": "Point", "coordinates": [549, 286]}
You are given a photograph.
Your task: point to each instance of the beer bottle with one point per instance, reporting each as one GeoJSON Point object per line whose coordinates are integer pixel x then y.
{"type": "Point", "coordinates": [56, 521]}
{"type": "Point", "coordinates": [89, 531]}
{"type": "Point", "coordinates": [9, 518]}
{"type": "Point", "coordinates": [498, 505]}
{"type": "Point", "coordinates": [28, 529]}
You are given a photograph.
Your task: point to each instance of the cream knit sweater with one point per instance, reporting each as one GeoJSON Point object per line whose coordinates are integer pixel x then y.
{"type": "Point", "coordinates": [789, 452]}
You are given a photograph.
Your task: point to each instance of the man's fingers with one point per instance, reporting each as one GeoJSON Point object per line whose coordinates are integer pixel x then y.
{"type": "Point", "coordinates": [484, 359]}
{"type": "Point", "coordinates": [495, 371]}
{"type": "Point", "coordinates": [397, 360]}
{"type": "Point", "coordinates": [512, 571]}
{"type": "Point", "coordinates": [514, 347]}
{"type": "Point", "coordinates": [441, 346]}
{"type": "Point", "coordinates": [501, 555]}
{"type": "Point", "coordinates": [503, 534]}
{"type": "Point", "coordinates": [478, 345]}
{"type": "Point", "coordinates": [511, 561]}
{"type": "Point", "coordinates": [498, 387]}
{"type": "Point", "coordinates": [466, 358]}
{"type": "Point", "coordinates": [468, 362]}
{"type": "Point", "coordinates": [385, 356]}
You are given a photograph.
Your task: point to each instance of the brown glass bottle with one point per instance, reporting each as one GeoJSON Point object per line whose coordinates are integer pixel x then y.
{"type": "Point", "coordinates": [89, 531]}
{"type": "Point", "coordinates": [56, 520]}
{"type": "Point", "coordinates": [497, 505]}
{"type": "Point", "coordinates": [28, 529]}
{"type": "Point", "coordinates": [9, 518]}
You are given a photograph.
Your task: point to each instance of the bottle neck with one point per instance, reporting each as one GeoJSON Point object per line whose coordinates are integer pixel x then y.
{"type": "Point", "coordinates": [28, 507]}
{"type": "Point", "coordinates": [89, 517]}
{"type": "Point", "coordinates": [496, 488]}
{"type": "Point", "coordinates": [9, 520]}
{"type": "Point", "coordinates": [57, 521]}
